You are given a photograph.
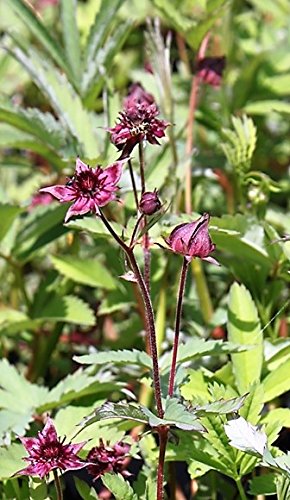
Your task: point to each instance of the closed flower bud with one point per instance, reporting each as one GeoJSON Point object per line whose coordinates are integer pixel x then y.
{"type": "Point", "coordinates": [149, 203]}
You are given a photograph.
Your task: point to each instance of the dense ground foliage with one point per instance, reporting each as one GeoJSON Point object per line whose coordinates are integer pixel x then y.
{"type": "Point", "coordinates": [144, 249]}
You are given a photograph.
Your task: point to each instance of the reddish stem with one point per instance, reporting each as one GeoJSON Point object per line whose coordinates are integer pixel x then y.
{"type": "Point", "coordinates": [163, 433]}
{"type": "Point", "coordinates": [150, 320]}
{"type": "Point", "coordinates": [182, 283]}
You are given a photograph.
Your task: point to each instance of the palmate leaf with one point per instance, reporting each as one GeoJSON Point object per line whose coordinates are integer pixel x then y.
{"type": "Point", "coordinates": [120, 488]}
{"type": "Point", "coordinates": [88, 272]}
{"type": "Point", "coordinates": [11, 460]}
{"type": "Point", "coordinates": [222, 406]}
{"type": "Point", "coordinates": [65, 101]}
{"type": "Point", "coordinates": [85, 491]}
{"type": "Point", "coordinates": [122, 357]}
{"type": "Point", "coordinates": [244, 328]}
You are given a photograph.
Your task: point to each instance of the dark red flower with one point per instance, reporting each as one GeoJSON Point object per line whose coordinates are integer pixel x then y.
{"type": "Point", "coordinates": [149, 203]}
{"type": "Point", "coordinates": [137, 95]}
{"type": "Point", "coordinates": [210, 69]}
{"type": "Point", "coordinates": [136, 124]}
{"type": "Point", "coordinates": [105, 458]}
{"type": "Point", "coordinates": [192, 239]}
{"type": "Point", "coordinates": [47, 452]}
{"type": "Point", "coordinates": [89, 188]}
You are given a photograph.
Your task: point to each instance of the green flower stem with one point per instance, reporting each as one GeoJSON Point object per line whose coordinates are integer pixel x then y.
{"type": "Point", "coordinates": [150, 320]}
{"type": "Point", "coordinates": [180, 296]}
{"type": "Point", "coordinates": [57, 485]}
{"type": "Point", "coordinates": [241, 489]}
{"type": "Point", "coordinates": [202, 290]}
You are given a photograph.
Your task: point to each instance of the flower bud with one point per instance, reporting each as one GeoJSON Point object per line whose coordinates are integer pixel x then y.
{"type": "Point", "coordinates": [149, 203]}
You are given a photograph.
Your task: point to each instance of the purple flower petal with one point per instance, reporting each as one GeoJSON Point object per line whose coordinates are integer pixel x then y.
{"type": "Point", "coordinates": [61, 193]}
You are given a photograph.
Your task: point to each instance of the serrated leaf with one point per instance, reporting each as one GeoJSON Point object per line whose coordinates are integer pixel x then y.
{"type": "Point", "coordinates": [110, 410]}
{"type": "Point", "coordinates": [277, 382]}
{"type": "Point", "coordinates": [119, 487]}
{"type": "Point", "coordinates": [71, 36]}
{"type": "Point", "coordinates": [244, 328]}
{"type": "Point", "coordinates": [283, 487]}
{"type": "Point", "coordinates": [39, 31]}
{"type": "Point", "coordinates": [65, 101]}
{"type": "Point", "coordinates": [245, 436]}
{"type": "Point", "coordinates": [222, 406]}
{"type": "Point", "coordinates": [42, 125]}
{"type": "Point", "coordinates": [241, 143]}
{"type": "Point", "coordinates": [93, 77]}
{"type": "Point", "coordinates": [197, 348]}
{"type": "Point", "coordinates": [69, 309]}
{"type": "Point", "coordinates": [103, 23]}
{"type": "Point", "coordinates": [278, 415]}
{"type": "Point", "coordinates": [8, 214]}
{"type": "Point", "coordinates": [178, 415]}
{"type": "Point", "coordinates": [121, 357]}
{"type": "Point", "coordinates": [87, 272]}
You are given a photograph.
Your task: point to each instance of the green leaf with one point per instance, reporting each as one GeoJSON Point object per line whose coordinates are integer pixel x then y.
{"type": "Point", "coordinates": [8, 214]}
{"type": "Point", "coordinates": [241, 143]}
{"type": "Point", "coordinates": [283, 487]}
{"type": "Point", "coordinates": [278, 416]}
{"type": "Point", "coordinates": [94, 226]}
{"type": "Point", "coordinates": [103, 24]}
{"type": "Point", "coordinates": [122, 357]}
{"type": "Point", "coordinates": [39, 31]}
{"type": "Point", "coordinates": [245, 436]}
{"type": "Point", "coordinates": [65, 101]}
{"type": "Point", "coordinates": [41, 125]}
{"type": "Point", "coordinates": [71, 36]}
{"type": "Point", "coordinates": [244, 328]}
{"type": "Point", "coordinates": [263, 485]}
{"type": "Point", "coordinates": [195, 387]}
{"type": "Point", "coordinates": [119, 487]}
{"type": "Point", "coordinates": [11, 460]}
{"type": "Point", "coordinates": [87, 272]}
{"type": "Point", "coordinates": [267, 106]}
{"type": "Point", "coordinates": [10, 137]}
{"type": "Point", "coordinates": [69, 309]}
{"type": "Point", "coordinates": [277, 382]}
{"type": "Point", "coordinates": [84, 490]}
{"type": "Point", "coordinates": [39, 228]}
{"type": "Point", "coordinates": [96, 72]}
{"type": "Point", "coordinates": [222, 406]}
{"type": "Point", "coordinates": [178, 415]}
{"type": "Point", "coordinates": [197, 348]}
{"type": "Point", "coordinates": [108, 410]}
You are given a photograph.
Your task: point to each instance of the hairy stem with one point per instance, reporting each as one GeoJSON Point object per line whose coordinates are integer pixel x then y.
{"type": "Point", "coordinates": [150, 320]}
{"type": "Point", "coordinates": [163, 433]}
{"type": "Point", "coordinates": [57, 485]}
{"type": "Point", "coordinates": [133, 183]}
{"type": "Point", "coordinates": [182, 283]}
{"type": "Point", "coordinates": [142, 167]}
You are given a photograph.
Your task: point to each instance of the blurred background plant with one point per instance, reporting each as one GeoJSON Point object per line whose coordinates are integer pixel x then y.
{"type": "Point", "coordinates": [65, 67]}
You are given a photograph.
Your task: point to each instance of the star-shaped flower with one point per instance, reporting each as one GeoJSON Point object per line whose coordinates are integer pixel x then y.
{"type": "Point", "coordinates": [89, 188]}
{"type": "Point", "coordinates": [106, 458]}
{"type": "Point", "coordinates": [46, 452]}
